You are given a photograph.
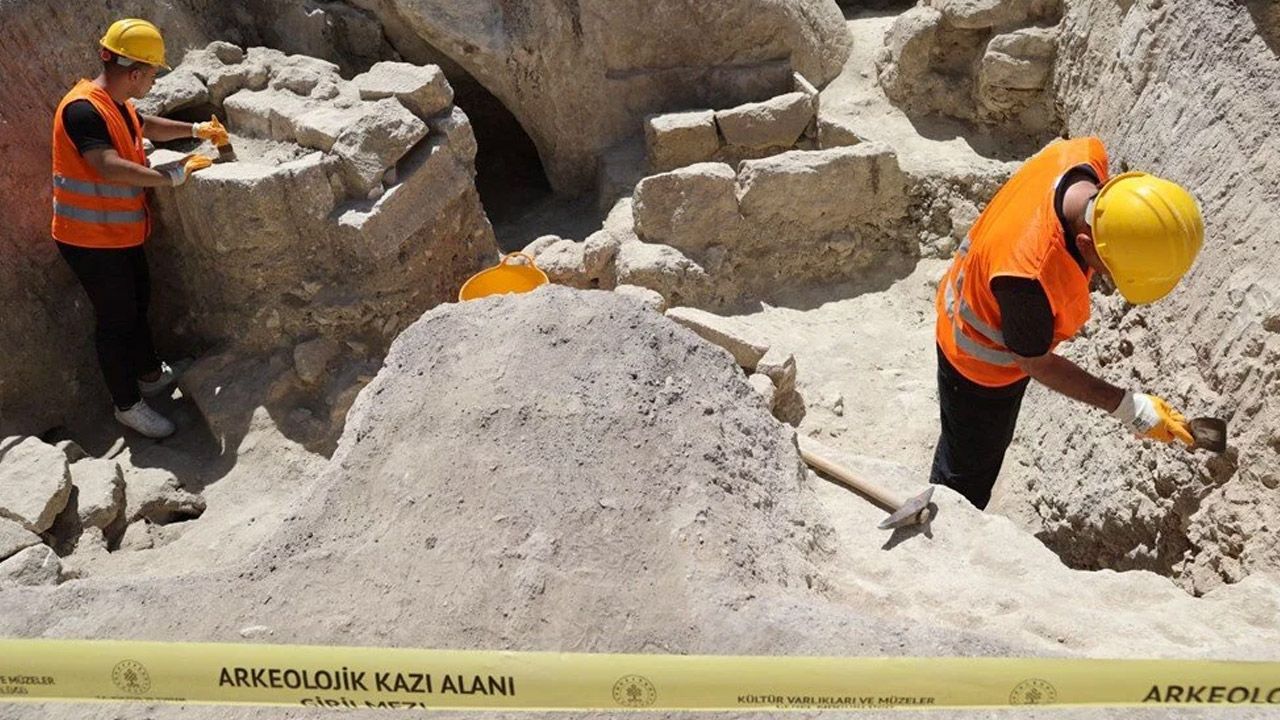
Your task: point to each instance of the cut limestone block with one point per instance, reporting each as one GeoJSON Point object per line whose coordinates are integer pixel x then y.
{"type": "Point", "coordinates": [37, 565]}
{"type": "Point", "coordinates": [690, 209]}
{"type": "Point", "coordinates": [664, 269]}
{"type": "Point", "coordinates": [836, 132]}
{"type": "Point", "coordinates": [422, 89]}
{"type": "Point", "coordinates": [598, 253]}
{"type": "Point", "coordinates": [456, 126]}
{"type": "Point", "coordinates": [777, 122]}
{"type": "Point", "coordinates": [154, 495]}
{"type": "Point", "coordinates": [780, 366]}
{"type": "Point", "coordinates": [539, 245]}
{"type": "Point", "coordinates": [175, 91]}
{"type": "Point", "coordinates": [35, 483]}
{"type": "Point", "coordinates": [270, 114]}
{"type": "Point", "coordinates": [100, 491]}
{"type": "Point", "coordinates": [746, 349]}
{"type": "Point", "coordinates": [563, 263]}
{"type": "Point", "coordinates": [1020, 60]}
{"type": "Point", "coordinates": [675, 140]}
{"type": "Point", "coordinates": [982, 14]}
{"type": "Point", "coordinates": [321, 125]}
{"type": "Point", "coordinates": [651, 298]}
{"type": "Point", "coordinates": [768, 189]}
{"type": "Point", "coordinates": [376, 141]}
{"type": "Point", "coordinates": [764, 388]}
{"type": "Point", "coordinates": [138, 536]}
{"type": "Point", "coordinates": [15, 538]}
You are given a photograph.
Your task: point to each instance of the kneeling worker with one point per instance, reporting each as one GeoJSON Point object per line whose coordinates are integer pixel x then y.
{"type": "Point", "coordinates": [100, 217]}
{"type": "Point", "coordinates": [1019, 285]}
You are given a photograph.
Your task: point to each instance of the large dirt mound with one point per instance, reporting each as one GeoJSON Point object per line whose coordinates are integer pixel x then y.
{"type": "Point", "coordinates": [565, 470]}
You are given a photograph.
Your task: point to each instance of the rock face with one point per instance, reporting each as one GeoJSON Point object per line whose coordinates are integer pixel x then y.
{"type": "Point", "coordinates": [615, 62]}
{"type": "Point", "coordinates": [988, 61]}
{"type": "Point", "coordinates": [347, 211]}
{"type": "Point", "coordinates": [1134, 75]}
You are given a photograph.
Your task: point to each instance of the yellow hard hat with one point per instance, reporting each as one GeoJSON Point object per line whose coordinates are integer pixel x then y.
{"type": "Point", "coordinates": [137, 40]}
{"type": "Point", "coordinates": [1148, 231]}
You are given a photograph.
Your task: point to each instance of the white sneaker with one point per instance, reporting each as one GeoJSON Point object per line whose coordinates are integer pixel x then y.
{"type": "Point", "coordinates": [146, 421]}
{"type": "Point", "coordinates": [160, 384]}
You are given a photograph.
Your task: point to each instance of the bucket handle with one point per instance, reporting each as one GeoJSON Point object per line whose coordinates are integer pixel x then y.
{"type": "Point", "coordinates": [527, 258]}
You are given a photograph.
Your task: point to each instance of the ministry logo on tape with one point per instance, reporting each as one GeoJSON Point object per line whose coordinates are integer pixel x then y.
{"type": "Point", "coordinates": [1033, 692]}
{"type": "Point", "coordinates": [131, 676]}
{"type": "Point", "coordinates": [634, 691]}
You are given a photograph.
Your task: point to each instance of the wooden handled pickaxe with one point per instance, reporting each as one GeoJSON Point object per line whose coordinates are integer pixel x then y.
{"type": "Point", "coordinates": [914, 511]}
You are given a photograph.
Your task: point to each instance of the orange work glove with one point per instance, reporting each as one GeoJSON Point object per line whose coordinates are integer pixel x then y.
{"type": "Point", "coordinates": [182, 169]}
{"type": "Point", "coordinates": [1150, 417]}
{"type": "Point", "coordinates": [212, 131]}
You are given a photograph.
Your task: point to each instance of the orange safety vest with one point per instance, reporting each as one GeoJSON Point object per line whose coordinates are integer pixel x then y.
{"type": "Point", "coordinates": [88, 210]}
{"type": "Point", "coordinates": [1018, 235]}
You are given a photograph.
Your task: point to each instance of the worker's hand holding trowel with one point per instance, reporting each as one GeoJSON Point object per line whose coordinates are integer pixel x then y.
{"type": "Point", "coordinates": [1151, 417]}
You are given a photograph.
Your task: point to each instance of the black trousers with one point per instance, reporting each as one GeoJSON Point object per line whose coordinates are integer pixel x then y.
{"type": "Point", "coordinates": [119, 288]}
{"type": "Point", "coordinates": [977, 427]}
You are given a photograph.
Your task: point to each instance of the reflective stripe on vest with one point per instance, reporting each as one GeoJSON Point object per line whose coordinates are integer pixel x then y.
{"type": "Point", "coordinates": [961, 310]}
{"type": "Point", "coordinates": [83, 187]}
{"type": "Point", "coordinates": [99, 217]}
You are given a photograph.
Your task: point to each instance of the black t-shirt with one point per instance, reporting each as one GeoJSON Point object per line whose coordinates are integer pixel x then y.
{"type": "Point", "coordinates": [1026, 319]}
{"type": "Point", "coordinates": [87, 129]}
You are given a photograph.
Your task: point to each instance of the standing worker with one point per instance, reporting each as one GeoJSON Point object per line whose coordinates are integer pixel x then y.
{"type": "Point", "coordinates": [1019, 285]}
{"type": "Point", "coordinates": [100, 217]}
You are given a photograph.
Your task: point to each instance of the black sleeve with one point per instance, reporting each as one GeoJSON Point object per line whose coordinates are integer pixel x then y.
{"type": "Point", "coordinates": [85, 126]}
{"type": "Point", "coordinates": [1025, 316]}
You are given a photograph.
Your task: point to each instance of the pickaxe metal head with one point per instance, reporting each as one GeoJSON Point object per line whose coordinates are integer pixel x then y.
{"type": "Point", "coordinates": [913, 512]}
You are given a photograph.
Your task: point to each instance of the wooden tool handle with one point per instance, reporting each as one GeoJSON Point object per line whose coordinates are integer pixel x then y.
{"type": "Point", "coordinates": [819, 457]}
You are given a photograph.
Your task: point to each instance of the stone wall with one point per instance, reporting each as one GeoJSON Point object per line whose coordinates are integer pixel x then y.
{"type": "Point", "coordinates": [987, 61]}
{"type": "Point", "coordinates": [581, 76]}
{"type": "Point", "coordinates": [748, 131]}
{"type": "Point", "coordinates": [710, 236]}
{"type": "Point", "coordinates": [351, 208]}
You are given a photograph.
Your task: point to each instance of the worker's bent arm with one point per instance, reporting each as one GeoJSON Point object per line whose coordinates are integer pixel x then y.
{"type": "Point", "coordinates": [163, 129]}
{"type": "Point", "coordinates": [116, 169]}
{"type": "Point", "coordinates": [1061, 375]}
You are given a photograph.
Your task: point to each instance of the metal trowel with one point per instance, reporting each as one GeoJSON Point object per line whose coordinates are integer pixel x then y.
{"type": "Point", "coordinates": [1209, 434]}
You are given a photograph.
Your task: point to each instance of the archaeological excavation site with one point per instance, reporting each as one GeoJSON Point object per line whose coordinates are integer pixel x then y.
{"type": "Point", "coordinates": [767, 392]}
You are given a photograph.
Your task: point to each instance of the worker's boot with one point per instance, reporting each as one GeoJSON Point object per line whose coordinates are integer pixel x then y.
{"type": "Point", "coordinates": [151, 388]}
{"type": "Point", "coordinates": [146, 421]}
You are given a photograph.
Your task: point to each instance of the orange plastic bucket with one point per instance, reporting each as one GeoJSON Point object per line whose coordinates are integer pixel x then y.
{"type": "Point", "coordinates": [505, 277]}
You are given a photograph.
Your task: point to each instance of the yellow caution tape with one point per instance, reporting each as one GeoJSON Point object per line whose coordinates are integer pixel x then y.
{"type": "Point", "coordinates": [350, 677]}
